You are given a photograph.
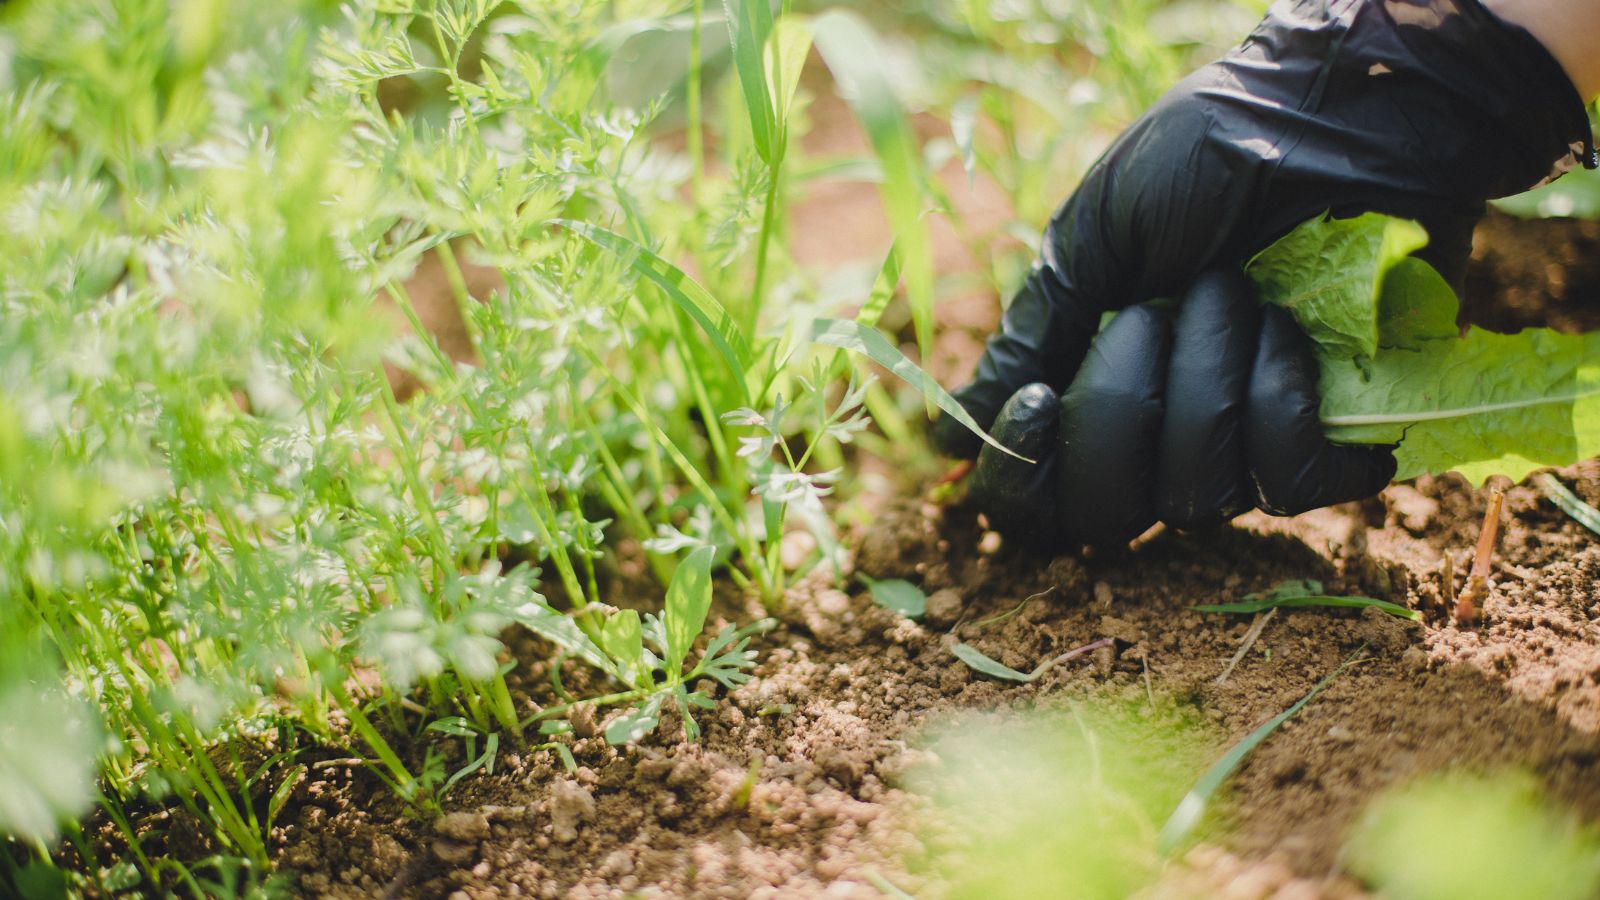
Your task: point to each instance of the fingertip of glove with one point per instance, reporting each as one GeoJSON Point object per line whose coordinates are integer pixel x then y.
{"type": "Point", "coordinates": [1017, 495]}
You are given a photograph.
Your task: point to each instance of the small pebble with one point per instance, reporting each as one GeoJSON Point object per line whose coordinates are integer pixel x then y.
{"type": "Point", "coordinates": [1102, 593]}
{"type": "Point", "coordinates": [944, 607]}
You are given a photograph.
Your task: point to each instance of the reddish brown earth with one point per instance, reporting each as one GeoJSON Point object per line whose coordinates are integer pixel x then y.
{"type": "Point", "coordinates": [797, 788]}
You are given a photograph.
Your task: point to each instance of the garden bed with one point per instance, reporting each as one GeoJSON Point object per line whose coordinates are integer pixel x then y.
{"type": "Point", "coordinates": [797, 787]}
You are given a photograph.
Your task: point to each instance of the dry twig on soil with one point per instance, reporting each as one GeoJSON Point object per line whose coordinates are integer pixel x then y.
{"type": "Point", "coordinates": [1249, 641]}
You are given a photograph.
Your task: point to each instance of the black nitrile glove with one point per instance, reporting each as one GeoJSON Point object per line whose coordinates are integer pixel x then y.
{"type": "Point", "coordinates": [1422, 109]}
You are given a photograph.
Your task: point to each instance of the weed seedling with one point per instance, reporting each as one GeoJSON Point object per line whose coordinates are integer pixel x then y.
{"type": "Point", "coordinates": [980, 662]}
{"type": "Point", "coordinates": [1301, 593]}
{"type": "Point", "coordinates": [1194, 804]}
{"type": "Point", "coordinates": [1569, 502]}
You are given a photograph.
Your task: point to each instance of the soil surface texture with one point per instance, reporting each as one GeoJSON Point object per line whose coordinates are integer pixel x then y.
{"type": "Point", "coordinates": [797, 786]}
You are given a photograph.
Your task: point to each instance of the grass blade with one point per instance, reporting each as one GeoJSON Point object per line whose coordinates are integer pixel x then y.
{"type": "Point", "coordinates": [1255, 606]}
{"type": "Point", "coordinates": [1305, 592]}
{"type": "Point", "coordinates": [749, 28]}
{"type": "Point", "coordinates": [725, 334]}
{"type": "Point", "coordinates": [858, 338]}
{"type": "Point", "coordinates": [1570, 503]}
{"type": "Point", "coordinates": [854, 55]}
{"type": "Point", "coordinates": [1193, 805]}
{"type": "Point", "coordinates": [883, 288]}
{"type": "Point", "coordinates": [785, 60]}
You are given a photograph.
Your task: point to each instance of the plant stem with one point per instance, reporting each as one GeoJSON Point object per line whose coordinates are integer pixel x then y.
{"type": "Point", "coordinates": [696, 135]}
{"type": "Point", "coordinates": [763, 248]}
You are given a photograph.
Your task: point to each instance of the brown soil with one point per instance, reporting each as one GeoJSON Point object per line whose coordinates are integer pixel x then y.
{"type": "Point", "coordinates": [796, 787]}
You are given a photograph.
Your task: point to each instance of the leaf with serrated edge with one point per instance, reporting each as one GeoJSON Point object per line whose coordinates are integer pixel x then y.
{"type": "Point", "coordinates": [1328, 273]}
{"type": "Point", "coordinates": [1484, 404]}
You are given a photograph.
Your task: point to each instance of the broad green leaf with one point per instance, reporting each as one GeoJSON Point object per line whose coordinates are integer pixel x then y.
{"type": "Point", "coordinates": [1574, 195]}
{"type": "Point", "coordinates": [1488, 404]}
{"type": "Point", "coordinates": [869, 342]}
{"type": "Point", "coordinates": [898, 595]}
{"type": "Point", "coordinates": [688, 602]}
{"type": "Point", "coordinates": [1193, 805]}
{"type": "Point", "coordinates": [749, 28]}
{"type": "Point", "coordinates": [1328, 273]}
{"type": "Point", "coordinates": [696, 301]}
{"type": "Point", "coordinates": [855, 57]}
{"type": "Point", "coordinates": [624, 640]}
{"type": "Point", "coordinates": [1416, 306]}
{"type": "Point", "coordinates": [1395, 372]}
{"type": "Point", "coordinates": [975, 658]}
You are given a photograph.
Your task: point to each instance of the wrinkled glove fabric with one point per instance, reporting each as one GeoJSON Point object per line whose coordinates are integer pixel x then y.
{"type": "Point", "coordinates": [1422, 109]}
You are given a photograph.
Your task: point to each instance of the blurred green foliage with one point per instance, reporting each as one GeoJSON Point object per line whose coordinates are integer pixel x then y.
{"type": "Point", "coordinates": [1462, 836]}
{"type": "Point", "coordinates": [1061, 803]}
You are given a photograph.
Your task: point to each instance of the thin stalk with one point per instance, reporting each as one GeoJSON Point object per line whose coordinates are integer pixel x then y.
{"type": "Point", "coordinates": [410, 470]}
{"type": "Point", "coordinates": [696, 116]}
{"type": "Point", "coordinates": [763, 247]}
{"type": "Point", "coordinates": [363, 727]}
{"type": "Point", "coordinates": [458, 290]}
{"type": "Point", "coordinates": [501, 704]}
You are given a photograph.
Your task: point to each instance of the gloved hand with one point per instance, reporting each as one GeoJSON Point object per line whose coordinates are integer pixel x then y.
{"type": "Point", "coordinates": [1416, 108]}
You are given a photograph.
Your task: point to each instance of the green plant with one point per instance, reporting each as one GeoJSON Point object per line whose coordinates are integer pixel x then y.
{"type": "Point", "coordinates": [216, 508]}
{"type": "Point", "coordinates": [1190, 810]}
{"type": "Point", "coordinates": [1302, 593]}
{"type": "Point", "coordinates": [1057, 802]}
{"type": "Point", "coordinates": [1395, 370]}
{"type": "Point", "coordinates": [1464, 836]}
{"type": "Point", "coordinates": [981, 662]}
{"type": "Point", "coordinates": [252, 504]}
{"type": "Point", "coordinates": [1575, 195]}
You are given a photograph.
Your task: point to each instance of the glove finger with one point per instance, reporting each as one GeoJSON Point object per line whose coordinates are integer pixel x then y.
{"type": "Point", "coordinates": [1111, 431]}
{"type": "Point", "coordinates": [1291, 462]}
{"type": "Point", "coordinates": [1019, 497]}
{"type": "Point", "coordinates": [1203, 476]}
